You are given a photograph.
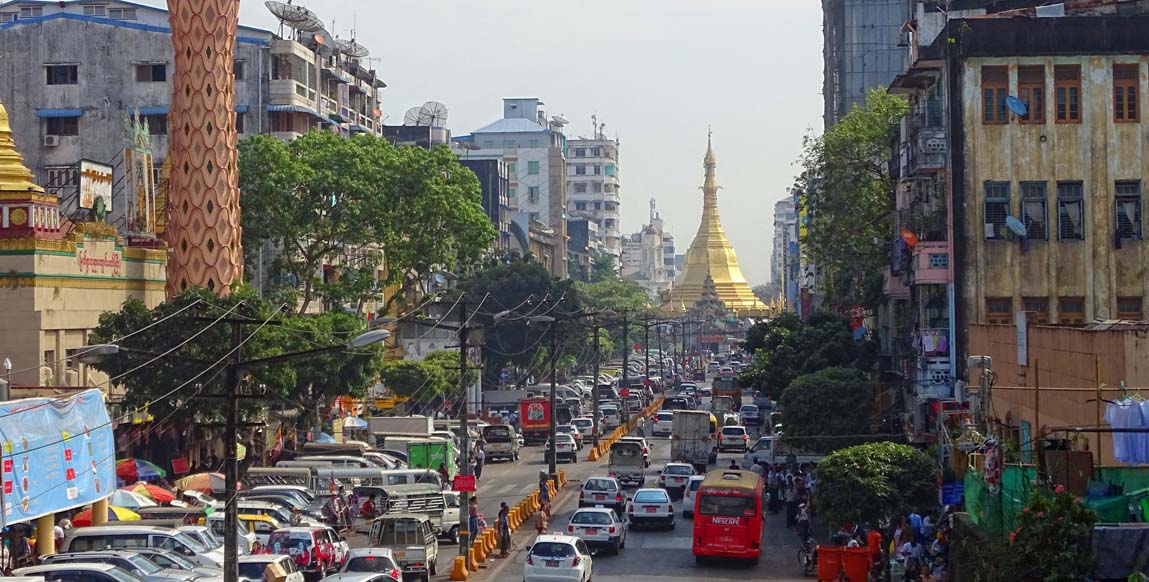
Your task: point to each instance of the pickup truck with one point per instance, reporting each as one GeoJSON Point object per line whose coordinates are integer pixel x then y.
{"type": "Point", "coordinates": [627, 463]}
{"type": "Point", "coordinates": [770, 450]}
{"type": "Point", "coordinates": [502, 442]}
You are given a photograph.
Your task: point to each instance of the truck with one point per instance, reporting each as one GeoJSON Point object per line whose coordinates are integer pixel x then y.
{"type": "Point", "coordinates": [727, 385]}
{"type": "Point", "coordinates": [627, 463]}
{"type": "Point", "coordinates": [502, 442]}
{"type": "Point", "coordinates": [430, 453]}
{"type": "Point", "coordinates": [772, 450]}
{"type": "Point", "coordinates": [415, 426]}
{"type": "Point", "coordinates": [535, 420]}
{"type": "Point", "coordinates": [691, 439]}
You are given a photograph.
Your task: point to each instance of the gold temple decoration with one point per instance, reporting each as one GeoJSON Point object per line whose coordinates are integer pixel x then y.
{"type": "Point", "coordinates": [14, 175]}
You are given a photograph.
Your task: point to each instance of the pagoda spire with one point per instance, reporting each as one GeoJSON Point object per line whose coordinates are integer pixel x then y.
{"type": "Point", "coordinates": [14, 175]}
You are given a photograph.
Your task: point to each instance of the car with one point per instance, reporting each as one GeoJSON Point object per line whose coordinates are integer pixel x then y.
{"type": "Point", "coordinates": [585, 425]}
{"type": "Point", "coordinates": [641, 441]}
{"type": "Point", "coordinates": [565, 447]}
{"type": "Point", "coordinates": [572, 430]}
{"type": "Point", "coordinates": [360, 577]}
{"type": "Point", "coordinates": [751, 414]}
{"type": "Point", "coordinates": [132, 562]}
{"type": "Point", "coordinates": [663, 423]}
{"type": "Point", "coordinates": [309, 546]}
{"type": "Point", "coordinates": [380, 560]}
{"type": "Point", "coordinates": [689, 494]}
{"type": "Point", "coordinates": [87, 572]}
{"type": "Point", "coordinates": [599, 527]}
{"type": "Point", "coordinates": [712, 367]}
{"type": "Point", "coordinates": [726, 371]}
{"type": "Point", "coordinates": [650, 506]}
{"type": "Point", "coordinates": [558, 558]}
{"type": "Point", "coordinates": [706, 392]}
{"type": "Point", "coordinates": [605, 491]}
{"type": "Point", "coordinates": [675, 476]}
{"type": "Point", "coordinates": [251, 568]}
{"type": "Point", "coordinates": [175, 561]}
{"type": "Point", "coordinates": [733, 437]}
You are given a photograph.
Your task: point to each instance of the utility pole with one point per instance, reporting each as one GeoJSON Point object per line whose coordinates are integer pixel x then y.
{"type": "Point", "coordinates": [594, 386]}
{"type": "Point", "coordinates": [625, 382]}
{"type": "Point", "coordinates": [646, 350]}
{"type": "Point", "coordinates": [553, 465]}
{"type": "Point", "coordinates": [231, 463]}
{"type": "Point", "coordinates": [678, 367]}
{"type": "Point", "coordinates": [465, 439]}
{"type": "Point", "coordinates": [661, 359]}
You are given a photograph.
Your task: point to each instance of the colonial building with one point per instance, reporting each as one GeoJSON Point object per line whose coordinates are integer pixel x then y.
{"type": "Point", "coordinates": [648, 257]}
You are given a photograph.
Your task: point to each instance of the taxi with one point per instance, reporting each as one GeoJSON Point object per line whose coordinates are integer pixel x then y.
{"type": "Point", "coordinates": [605, 491]}
{"type": "Point", "coordinates": [558, 558]}
{"type": "Point", "coordinates": [675, 477]}
{"type": "Point", "coordinates": [690, 494]}
{"type": "Point", "coordinates": [599, 528]}
{"type": "Point", "coordinates": [650, 506]}
{"type": "Point", "coordinates": [565, 448]}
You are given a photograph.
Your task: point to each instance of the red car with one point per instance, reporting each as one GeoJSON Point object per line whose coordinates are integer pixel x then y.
{"type": "Point", "coordinates": [308, 546]}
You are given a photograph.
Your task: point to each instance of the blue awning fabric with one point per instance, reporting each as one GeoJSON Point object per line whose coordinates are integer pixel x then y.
{"type": "Point", "coordinates": [46, 113]}
{"type": "Point", "coordinates": [357, 127]}
{"type": "Point", "coordinates": [301, 109]}
{"type": "Point", "coordinates": [241, 108]}
{"type": "Point", "coordinates": [150, 110]}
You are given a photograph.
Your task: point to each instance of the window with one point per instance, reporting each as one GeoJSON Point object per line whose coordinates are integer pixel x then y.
{"type": "Point", "coordinates": [508, 143]}
{"type": "Point", "coordinates": [597, 187]}
{"type": "Point", "coordinates": [1031, 89]}
{"type": "Point", "coordinates": [533, 193]}
{"type": "Point", "coordinates": [580, 187]}
{"type": "Point", "coordinates": [939, 260]}
{"type": "Point", "coordinates": [610, 169]}
{"type": "Point", "coordinates": [996, 209]}
{"type": "Point", "coordinates": [62, 126]}
{"type": "Point", "coordinates": [580, 169]}
{"type": "Point", "coordinates": [534, 216]}
{"type": "Point", "coordinates": [534, 143]}
{"type": "Point", "coordinates": [122, 13]}
{"type": "Point", "coordinates": [95, 10]}
{"type": "Point", "coordinates": [8, 17]}
{"type": "Point", "coordinates": [1037, 308]}
{"type": "Point", "coordinates": [1071, 310]}
{"type": "Point", "coordinates": [580, 205]}
{"type": "Point", "coordinates": [1067, 92]}
{"type": "Point", "coordinates": [63, 74]}
{"type": "Point", "coordinates": [597, 169]}
{"type": "Point", "coordinates": [999, 310]}
{"type": "Point", "coordinates": [1127, 204]}
{"type": "Point", "coordinates": [1129, 308]}
{"type": "Point", "coordinates": [239, 122]}
{"type": "Point", "coordinates": [31, 11]}
{"type": "Point", "coordinates": [513, 192]}
{"type": "Point", "coordinates": [532, 167]}
{"type": "Point", "coordinates": [596, 151]}
{"type": "Point", "coordinates": [1126, 79]}
{"type": "Point", "coordinates": [488, 143]}
{"type": "Point", "coordinates": [157, 124]}
{"type": "Point", "coordinates": [60, 176]}
{"type": "Point", "coordinates": [152, 73]}
{"type": "Point", "coordinates": [580, 152]}
{"type": "Point", "coordinates": [994, 89]}
{"type": "Point", "coordinates": [238, 70]}
{"type": "Point", "coordinates": [1070, 207]}
{"type": "Point", "coordinates": [598, 206]}
{"type": "Point", "coordinates": [1033, 210]}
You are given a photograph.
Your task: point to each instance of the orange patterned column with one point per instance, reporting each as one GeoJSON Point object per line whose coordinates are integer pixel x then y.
{"type": "Point", "coordinates": [203, 231]}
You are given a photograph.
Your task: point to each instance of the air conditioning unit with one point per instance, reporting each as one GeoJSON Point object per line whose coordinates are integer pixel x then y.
{"type": "Point", "coordinates": [51, 141]}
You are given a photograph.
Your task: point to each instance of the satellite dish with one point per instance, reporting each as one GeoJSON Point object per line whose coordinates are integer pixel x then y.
{"type": "Point", "coordinates": [351, 48]}
{"type": "Point", "coordinates": [1015, 226]}
{"type": "Point", "coordinates": [411, 117]}
{"type": "Point", "coordinates": [909, 237]}
{"type": "Point", "coordinates": [433, 113]}
{"type": "Point", "coordinates": [297, 17]}
{"type": "Point", "coordinates": [1016, 106]}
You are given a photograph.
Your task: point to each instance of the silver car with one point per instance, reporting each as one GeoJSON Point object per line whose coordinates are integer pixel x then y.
{"type": "Point", "coordinates": [145, 569]}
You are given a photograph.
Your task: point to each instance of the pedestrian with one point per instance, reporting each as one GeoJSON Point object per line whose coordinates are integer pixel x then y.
{"type": "Point", "coordinates": [542, 520]}
{"type": "Point", "coordinates": [58, 534]}
{"type": "Point", "coordinates": [803, 522]}
{"type": "Point", "coordinates": [480, 457]}
{"type": "Point", "coordinates": [791, 503]}
{"type": "Point", "coordinates": [504, 529]}
{"type": "Point", "coordinates": [544, 491]}
{"type": "Point", "coordinates": [444, 475]}
{"type": "Point", "coordinates": [911, 554]}
{"type": "Point", "coordinates": [354, 507]}
{"type": "Point", "coordinates": [473, 516]}
{"type": "Point", "coordinates": [368, 511]}
{"type": "Point", "coordinates": [874, 543]}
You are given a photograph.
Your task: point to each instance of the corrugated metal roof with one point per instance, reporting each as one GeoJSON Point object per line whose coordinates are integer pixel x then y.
{"type": "Point", "coordinates": [1117, 325]}
{"type": "Point", "coordinates": [46, 113]}
{"type": "Point", "coordinates": [512, 125]}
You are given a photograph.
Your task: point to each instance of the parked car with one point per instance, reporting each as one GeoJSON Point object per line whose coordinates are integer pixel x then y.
{"type": "Point", "coordinates": [251, 568]}
{"type": "Point", "coordinates": [78, 573]}
{"type": "Point", "coordinates": [310, 548]}
{"type": "Point", "coordinates": [650, 506]}
{"type": "Point", "coordinates": [173, 561]}
{"type": "Point", "coordinates": [127, 537]}
{"type": "Point", "coordinates": [131, 562]}
{"type": "Point", "coordinates": [558, 558]}
{"type": "Point", "coordinates": [598, 527]}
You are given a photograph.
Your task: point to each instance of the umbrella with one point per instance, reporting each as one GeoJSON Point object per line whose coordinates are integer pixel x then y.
{"type": "Point", "coordinates": [132, 470]}
{"type": "Point", "coordinates": [325, 438]}
{"type": "Point", "coordinates": [130, 500]}
{"type": "Point", "coordinates": [157, 494]}
{"type": "Point", "coordinates": [84, 518]}
{"type": "Point", "coordinates": [205, 482]}
{"type": "Point", "coordinates": [354, 422]}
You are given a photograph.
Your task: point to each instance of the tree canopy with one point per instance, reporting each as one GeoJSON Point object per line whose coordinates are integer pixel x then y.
{"type": "Point", "coordinates": [360, 205]}
{"type": "Point", "coordinates": [415, 377]}
{"type": "Point", "coordinates": [847, 191]}
{"type": "Point", "coordinates": [786, 347]}
{"type": "Point", "coordinates": [807, 424]}
{"type": "Point", "coordinates": [876, 481]}
{"type": "Point", "coordinates": [602, 267]}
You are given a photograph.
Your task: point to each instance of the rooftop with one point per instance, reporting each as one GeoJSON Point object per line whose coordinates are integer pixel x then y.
{"type": "Point", "coordinates": [512, 125]}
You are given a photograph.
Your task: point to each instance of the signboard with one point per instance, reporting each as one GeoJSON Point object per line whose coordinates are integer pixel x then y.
{"type": "Point", "coordinates": [95, 185]}
{"type": "Point", "coordinates": [464, 483]}
{"type": "Point", "coordinates": [180, 465]}
{"type": "Point", "coordinates": [1020, 325]}
{"type": "Point", "coordinates": [56, 455]}
{"type": "Point", "coordinates": [953, 493]}
{"type": "Point", "coordinates": [625, 392]}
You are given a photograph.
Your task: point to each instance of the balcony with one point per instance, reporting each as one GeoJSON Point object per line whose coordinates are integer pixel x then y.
{"type": "Point", "coordinates": [933, 379]}
{"type": "Point", "coordinates": [291, 92]}
{"type": "Point", "coordinates": [894, 286]}
{"type": "Point", "coordinates": [931, 261]}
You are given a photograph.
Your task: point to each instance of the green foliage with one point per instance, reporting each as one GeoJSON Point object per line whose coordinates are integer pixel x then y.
{"type": "Point", "coordinates": [808, 425]}
{"type": "Point", "coordinates": [848, 191]}
{"type": "Point", "coordinates": [614, 294]}
{"type": "Point", "coordinates": [408, 377]}
{"type": "Point", "coordinates": [449, 361]}
{"type": "Point", "coordinates": [876, 481]}
{"type": "Point", "coordinates": [787, 347]}
{"type": "Point", "coordinates": [307, 382]}
{"type": "Point", "coordinates": [603, 267]}
{"type": "Point", "coordinates": [324, 199]}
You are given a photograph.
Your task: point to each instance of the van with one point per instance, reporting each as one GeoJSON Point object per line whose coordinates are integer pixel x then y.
{"type": "Point", "coordinates": [411, 537]}
{"type": "Point", "coordinates": [255, 527]}
{"type": "Point", "coordinates": [423, 499]}
{"type": "Point", "coordinates": [502, 442]}
{"type": "Point", "coordinates": [301, 477]}
{"type": "Point", "coordinates": [379, 477]}
{"type": "Point", "coordinates": [90, 539]}
{"type": "Point", "coordinates": [627, 463]}
{"type": "Point", "coordinates": [611, 417]}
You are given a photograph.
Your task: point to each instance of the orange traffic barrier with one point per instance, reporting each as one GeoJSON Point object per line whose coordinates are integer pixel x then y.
{"type": "Point", "coordinates": [472, 565]}
{"type": "Point", "coordinates": [459, 570]}
{"type": "Point", "coordinates": [478, 548]}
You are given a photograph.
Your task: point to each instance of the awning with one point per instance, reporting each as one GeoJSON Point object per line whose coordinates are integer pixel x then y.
{"type": "Point", "coordinates": [241, 108]}
{"type": "Point", "coordinates": [337, 118]}
{"type": "Point", "coordinates": [357, 127]}
{"type": "Point", "coordinates": [299, 109]}
{"type": "Point", "coordinates": [47, 113]}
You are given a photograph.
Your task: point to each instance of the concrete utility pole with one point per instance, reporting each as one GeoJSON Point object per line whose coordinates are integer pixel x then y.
{"type": "Point", "coordinates": [465, 438]}
{"type": "Point", "coordinates": [553, 465]}
{"type": "Point", "coordinates": [594, 386]}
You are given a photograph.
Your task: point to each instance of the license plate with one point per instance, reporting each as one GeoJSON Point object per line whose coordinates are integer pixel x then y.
{"type": "Point", "coordinates": [552, 563]}
{"type": "Point", "coordinates": [725, 539]}
{"type": "Point", "coordinates": [679, 479]}
{"type": "Point", "coordinates": [400, 555]}
{"type": "Point", "coordinates": [599, 497]}
{"type": "Point", "coordinates": [591, 531]}
{"type": "Point", "coordinates": [651, 509]}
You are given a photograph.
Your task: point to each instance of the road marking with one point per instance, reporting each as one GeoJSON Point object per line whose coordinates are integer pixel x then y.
{"type": "Point", "coordinates": [665, 543]}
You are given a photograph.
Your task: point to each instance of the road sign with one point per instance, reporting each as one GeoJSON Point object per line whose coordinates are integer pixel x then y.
{"type": "Point", "coordinates": [464, 483]}
{"type": "Point", "coordinates": [624, 392]}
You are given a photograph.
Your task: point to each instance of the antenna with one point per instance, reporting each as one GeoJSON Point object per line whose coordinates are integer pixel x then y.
{"type": "Point", "coordinates": [351, 48]}
{"type": "Point", "coordinates": [296, 17]}
{"type": "Point", "coordinates": [432, 113]}
{"type": "Point", "coordinates": [1017, 106]}
{"type": "Point", "coordinates": [411, 117]}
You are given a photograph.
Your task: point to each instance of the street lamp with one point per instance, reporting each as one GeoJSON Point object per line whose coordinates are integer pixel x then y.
{"type": "Point", "coordinates": [233, 376]}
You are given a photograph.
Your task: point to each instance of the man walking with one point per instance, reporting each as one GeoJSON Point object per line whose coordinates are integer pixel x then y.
{"type": "Point", "coordinates": [504, 529]}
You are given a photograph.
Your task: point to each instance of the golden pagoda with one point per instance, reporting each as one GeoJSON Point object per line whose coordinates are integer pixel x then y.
{"type": "Point", "coordinates": [712, 257]}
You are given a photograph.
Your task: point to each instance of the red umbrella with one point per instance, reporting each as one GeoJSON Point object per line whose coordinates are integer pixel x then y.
{"type": "Point", "coordinates": [84, 518]}
{"type": "Point", "coordinates": [157, 494]}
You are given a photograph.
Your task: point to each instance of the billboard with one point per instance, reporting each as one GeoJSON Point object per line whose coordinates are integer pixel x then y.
{"type": "Point", "coordinates": [95, 184]}
{"type": "Point", "coordinates": [56, 454]}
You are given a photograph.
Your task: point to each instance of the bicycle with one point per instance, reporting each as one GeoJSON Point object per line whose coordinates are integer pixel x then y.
{"type": "Point", "coordinates": [808, 556]}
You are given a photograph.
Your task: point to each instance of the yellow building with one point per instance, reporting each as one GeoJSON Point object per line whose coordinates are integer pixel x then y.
{"type": "Point", "coordinates": [1069, 165]}
{"type": "Point", "coordinates": [57, 277]}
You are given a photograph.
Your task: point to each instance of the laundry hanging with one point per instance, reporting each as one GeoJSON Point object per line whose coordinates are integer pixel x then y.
{"type": "Point", "coordinates": [1131, 448]}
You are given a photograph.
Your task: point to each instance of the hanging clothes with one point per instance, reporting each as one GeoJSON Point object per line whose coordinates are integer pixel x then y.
{"type": "Point", "coordinates": [929, 342]}
{"type": "Point", "coordinates": [943, 344]}
{"type": "Point", "coordinates": [1131, 448]}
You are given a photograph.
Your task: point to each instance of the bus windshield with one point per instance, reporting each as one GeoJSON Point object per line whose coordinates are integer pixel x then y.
{"type": "Point", "coordinates": [726, 505]}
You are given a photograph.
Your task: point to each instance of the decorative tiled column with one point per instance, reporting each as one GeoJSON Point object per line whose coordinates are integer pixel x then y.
{"type": "Point", "coordinates": [203, 232]}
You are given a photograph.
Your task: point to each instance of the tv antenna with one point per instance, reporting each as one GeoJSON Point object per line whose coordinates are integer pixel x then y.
{"type": "Point", "coordinates": [351, 48]}
{"type": "Point", "coordinates": [411, 117]}
{"type": "Point", "coordinates": [294, 16]}
{"type": "Point", "coordinates": [433, 114]}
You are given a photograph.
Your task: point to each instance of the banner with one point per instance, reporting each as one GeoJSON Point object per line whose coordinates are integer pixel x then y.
{"type": "Point", "coordinates": [56, 454]}
{"type": "Point", "coordinates": [95, 184]}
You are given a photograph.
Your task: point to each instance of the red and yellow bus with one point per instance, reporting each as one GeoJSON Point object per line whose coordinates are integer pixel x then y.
{"type": "Point", "coordinates": [728, 516]}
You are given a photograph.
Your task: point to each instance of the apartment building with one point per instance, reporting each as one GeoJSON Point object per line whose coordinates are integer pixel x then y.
{"type": "Point", "coordinates": [593, 183]}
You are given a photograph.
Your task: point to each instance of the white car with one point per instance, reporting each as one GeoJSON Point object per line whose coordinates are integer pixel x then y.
{"type": "Point", "coordinates": [252, 567]}
{"type": "Point", "coordinates": [750, 414]}
{"type": "Point", "coordinates": [605, 491]}
{"type": "Point", "coordinates": [733, 437]}
{"type": "Point", "coordinates": [381, 560]}
{"type": "Point", "coordinates": [585, 425]}
{"type": "Point", "coordinates": [663, 423]}
{"type": "Point", "coordinates": [558, 558]}
{"type": "Point", "coordinates": [650, 506]}
{"type": "Point", "coordinates": [565, 448]}
{"type": "Point", "coordinates": [675, 477]}
{"type": "Point", "coordinates": [598, 527]}
{"type": "Point", "coordinates": [641, 441]}
{"type": "Point", "coordinates": [689, 495]}
{"type": "Point", "coordinates": [572, 430]}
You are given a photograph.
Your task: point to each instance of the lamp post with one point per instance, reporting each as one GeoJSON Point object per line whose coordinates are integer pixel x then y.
{"type": "Point", "coordinates": [233, 376]}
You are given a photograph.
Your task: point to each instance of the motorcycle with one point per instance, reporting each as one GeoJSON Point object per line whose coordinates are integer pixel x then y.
{"type": "Point", "coordinates": [808, 556]}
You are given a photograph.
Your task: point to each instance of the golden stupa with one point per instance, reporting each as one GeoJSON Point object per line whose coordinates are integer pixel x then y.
{"type": "Point", "coordinates": [14, 175]}
{"type": "Point", "coordinates": [711, 256]}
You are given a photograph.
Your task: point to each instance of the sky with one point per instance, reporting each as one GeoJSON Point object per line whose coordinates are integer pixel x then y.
{"type": "Point", "coordinates": [657, 72]}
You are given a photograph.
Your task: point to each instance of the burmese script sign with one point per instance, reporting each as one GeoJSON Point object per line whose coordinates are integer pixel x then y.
{"type": "Point", "coordinates": [96, 263]}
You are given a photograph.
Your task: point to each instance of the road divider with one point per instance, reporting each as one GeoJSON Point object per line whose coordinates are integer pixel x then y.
{"type": "Point", "coordinates": [615, 435]}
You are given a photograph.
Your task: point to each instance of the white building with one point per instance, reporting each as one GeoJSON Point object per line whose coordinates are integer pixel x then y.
{"type": "Point", "coordinates": [648, 257]}
{"type": "Point", "coordinates": [593, 186]}
{"type": "Point", "coordinates": [785, 221]}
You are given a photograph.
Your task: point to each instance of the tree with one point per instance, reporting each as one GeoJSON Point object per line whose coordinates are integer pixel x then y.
{"type": "Point", "coordinates": [414, 378]}
{"type": "Point", "coordinates": [449, 361]}
{"type": "Point", "coordinates": [358, 205]}
{"type": "Point", "coordinates": [603, 267]}
{"type": "Point", "coordinates": [873, 482]}
{"type": "Point", "coordinates": [808, 424]}
{"type": "Point", "coordinates": [787, 347]}
{"type": "Point", "coordinates": [847, 191]}
{"type": "Point", "coordinates": [308, 383]}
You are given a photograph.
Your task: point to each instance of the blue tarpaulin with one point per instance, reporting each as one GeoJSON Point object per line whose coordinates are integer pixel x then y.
{"type": "Point", "coordinates": [46, 113]}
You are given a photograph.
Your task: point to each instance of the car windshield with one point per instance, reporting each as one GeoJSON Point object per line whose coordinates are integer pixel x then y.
{"type": "Point", "coordinates": [252, 570]}
{"type": "Point", "coordinates": [651, 497]}
{"type": "Point", "coordinates": [171, 560]}
{"type": "Point", "coordinates": [396, 532]}
{"type": "Point", "coordinates": [750, 408]}
{"type": "Point", "coordinates": [120, 575]}
{"type": "Point", "coordinates": [553, 550]}
{"type": "Point", "coordinates": [733, 431]}
{"type": "Point", "coordinates": [695, 484]}
{"type": "Point", "coordinates": [583, 422]}
{"type": "Point", "coordinates": [564, 429]}
{"type": "Point", "coordinates": [370, 564]}
{"type": "Point", "coordinates": [677, 470]}
{"type": "Point", "coordinates": [497, 434]}
{"type": "Point", "coordinates": [143, 564]}
{"type": "Point", "coordinates": [664, 416]}
{"type": "Point", "coordinates": [590, 518]}
{"type": "Point", "coordinates": [282, 540]}
{"type": "Point", "coordinates": [599, 485]}
{"type": "Point", "coordinates": [191, 543]}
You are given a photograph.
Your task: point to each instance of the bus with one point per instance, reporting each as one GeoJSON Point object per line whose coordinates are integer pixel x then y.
{"type": "Point", "coordinates": [728, 516]}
